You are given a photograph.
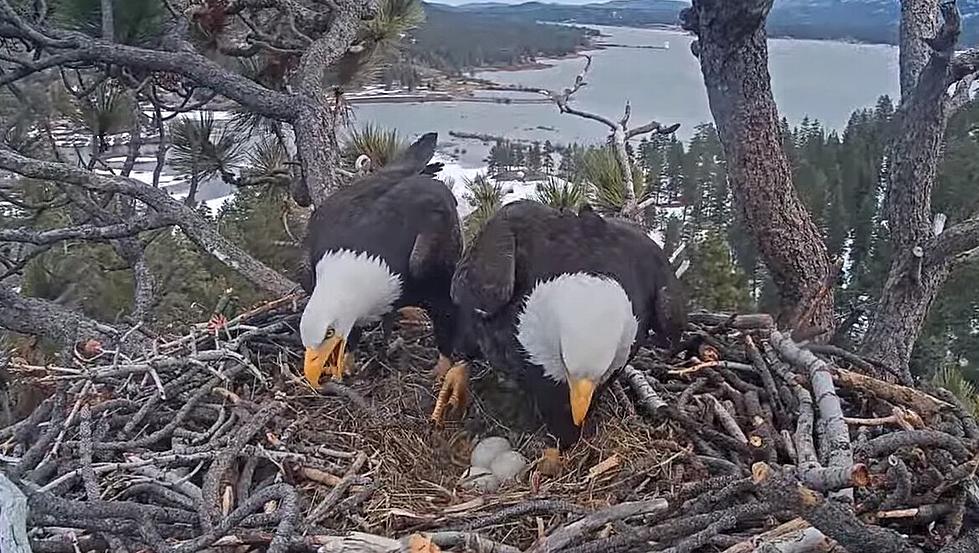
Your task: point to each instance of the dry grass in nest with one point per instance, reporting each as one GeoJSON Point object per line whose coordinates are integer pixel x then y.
{"type": "Point", "coordinates": [383, 411]}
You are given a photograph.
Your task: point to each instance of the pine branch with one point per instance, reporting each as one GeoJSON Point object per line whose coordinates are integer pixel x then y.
{"type": "Point", "coordinates": [200, 231]}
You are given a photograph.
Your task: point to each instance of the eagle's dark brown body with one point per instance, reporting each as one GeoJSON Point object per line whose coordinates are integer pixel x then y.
{"type": "Point", "coordinates": [527, 242]}
{"type": "Point", "coordinates": [407, 218]}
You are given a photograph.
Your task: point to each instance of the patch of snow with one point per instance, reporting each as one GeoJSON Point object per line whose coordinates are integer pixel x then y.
{"type": "Point", "coordinates": [216, 204]}
{"type": "Point", "coordinates": [658, 236]}
{"type": "Point", "coordinates": [675, 212]}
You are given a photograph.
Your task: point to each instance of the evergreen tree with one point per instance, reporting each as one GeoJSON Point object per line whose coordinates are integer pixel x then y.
{"type": "Point", "coordinates": [716, 282]}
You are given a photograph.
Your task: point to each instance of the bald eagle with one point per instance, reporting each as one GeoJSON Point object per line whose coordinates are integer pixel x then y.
{"type": "Point", "coordinates": [563, 300]}
{"type": "Point", "coordinates": [392, 239]}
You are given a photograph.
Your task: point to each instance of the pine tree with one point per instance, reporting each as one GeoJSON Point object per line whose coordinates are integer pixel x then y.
{"type": "Point", "coordinates": [716, 282]}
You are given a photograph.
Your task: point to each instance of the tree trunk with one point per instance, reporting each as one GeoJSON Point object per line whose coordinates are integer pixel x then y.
{"type": "Point", "coordinates": [901, 311]}
{"type": "Point", "coordinates": [191, 199]}
{"type": "Point", "coordinates": [919, 19]}
{"type": "Point", "coordinates": [733, 56]}
{"type": "Point", "coordinates": [108, 21]}
{"type": "Point", "coordinates": [918, 271]}
{"type": "Point", "coordinates": [318, 150]}
{"type": "Point", "coordinates": [315, 120]}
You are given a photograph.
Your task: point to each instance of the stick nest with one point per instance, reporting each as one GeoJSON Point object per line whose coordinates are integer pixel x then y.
{"type": "Point", "coordinates": [746, 441]}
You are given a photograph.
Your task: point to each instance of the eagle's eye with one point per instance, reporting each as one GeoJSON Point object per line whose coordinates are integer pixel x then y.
{"type": "Point", "coordinates": [329, 333]}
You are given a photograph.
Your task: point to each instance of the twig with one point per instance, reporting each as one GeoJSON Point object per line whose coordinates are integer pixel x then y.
{"type": "Point", "coordinates": [328, 504]}
{"type": "Point", "coordinates": [212, 480]}
{"type": "Point", "coordinates": [834, 434]}
{"type": "Point", "coordinates": [565, 535]}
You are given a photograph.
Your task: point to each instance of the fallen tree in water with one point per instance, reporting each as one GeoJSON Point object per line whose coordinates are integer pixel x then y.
{"type": "Point", "coordinates": [746, 441]}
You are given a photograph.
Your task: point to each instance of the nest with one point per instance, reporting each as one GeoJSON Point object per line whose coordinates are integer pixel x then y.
{"type": "Point", "coordinates": [749, 443]}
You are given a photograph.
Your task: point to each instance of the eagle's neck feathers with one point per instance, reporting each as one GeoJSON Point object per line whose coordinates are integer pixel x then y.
{"type": "Point", "coordinates": [352, 289]}
{"type": "Point", "coordinates": [577, 324]}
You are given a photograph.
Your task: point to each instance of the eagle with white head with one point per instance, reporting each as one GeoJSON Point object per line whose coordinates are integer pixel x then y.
{"type": "Point", "coordinates": [389, 240]}
{"type": "Point", "coordinates": [580, 329]}
{"type": "Point", "coordinates": [562, 300]}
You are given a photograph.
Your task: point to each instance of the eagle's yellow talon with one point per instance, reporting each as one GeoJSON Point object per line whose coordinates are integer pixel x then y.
{"type": "Point", "coordinates": [550, 463]}
{"type": "Point", "coordinates": [454, 392]}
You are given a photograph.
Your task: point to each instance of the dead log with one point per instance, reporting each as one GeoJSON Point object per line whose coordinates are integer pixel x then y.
{"type": "Point", "coordinates": [916, 400]}
{"type": "Point", "coordinates": [13, 518]}
{"type": "Point", "coordinates": [794, 536]}
{"type": "Point", "coordinates": [753, 321]}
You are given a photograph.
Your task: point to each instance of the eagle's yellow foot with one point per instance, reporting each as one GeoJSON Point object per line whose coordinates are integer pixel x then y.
{"type": "Point", "coordinates": [454, 392]}
{"type": "Point", "coordinates": [550, 463]}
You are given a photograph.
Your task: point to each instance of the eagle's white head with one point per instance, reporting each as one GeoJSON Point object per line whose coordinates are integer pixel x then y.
{"type": "Point", "coordinates": [352, 289]}
{"type": "Point", "coordinates": [580, 328]}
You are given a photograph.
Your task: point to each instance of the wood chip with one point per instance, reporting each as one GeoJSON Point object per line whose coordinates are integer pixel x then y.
{"type": "Point", "coordinates": [603, 467]}
{"type": "Point", "coordinates": [418, 543]}
{"type": "Point", "coordinates": [320, 476]}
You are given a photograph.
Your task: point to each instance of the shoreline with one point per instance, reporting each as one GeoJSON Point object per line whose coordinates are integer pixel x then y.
{"type": "Point", "coordinates": [597, 44]}
{"type": "Point", "coordinates": [463, 89]}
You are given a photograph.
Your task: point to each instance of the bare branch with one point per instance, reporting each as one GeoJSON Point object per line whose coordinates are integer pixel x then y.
{"type": "Point", "coordinates": [197, 229]}
{"type": "Point", "coordinates": [959, 239]}
{"type": "Point", "coordinates": [619, 134]}
{"type": "Point", "coordinates": [185, 62]}
{"type": "Point", "coordinates": [85, 232]}
{"type": "Point", "coordinates": [29, 67]}
{"type": "Point", "coordinates": [36, 316]}
{"type": "Point", "coordinates": [654, 127]}
{"type": "Point", "coordinates": [964, 64]}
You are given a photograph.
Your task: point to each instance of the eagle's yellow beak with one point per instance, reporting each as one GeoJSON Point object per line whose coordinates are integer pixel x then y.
{"type": "Point", "coordinates": [329, 355]}
{"type": "Point", "coordinates": [581, 392]}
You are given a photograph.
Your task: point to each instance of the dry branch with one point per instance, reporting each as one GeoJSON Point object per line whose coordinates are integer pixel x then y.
{"type": "Point", "coordinates": [834, 435]}
{"type": "Point", "coordinates": [209, 457]}
{"type": "Point", "coordinates": [619, 134]}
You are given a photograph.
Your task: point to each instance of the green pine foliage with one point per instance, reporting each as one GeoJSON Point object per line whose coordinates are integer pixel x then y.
{"type": "Point", "coordinates": [107, 111]}
{"type": "Point", "coordinates": [560, 194]}
{"type": "Point", "coordinates": [485, 196]}
{"type": "Point", "coordinates": [604, 181]}
{"type": "Point", "coordinates": [952, 378]}
{"type": "Point", "coordinates": [379, 144]}
{"type": "Point", "coordinates": [135, 21]}
{"type": "Point", "coordinates": [714, 279]}
{"type": "Point", "coordinates": [203, 149]}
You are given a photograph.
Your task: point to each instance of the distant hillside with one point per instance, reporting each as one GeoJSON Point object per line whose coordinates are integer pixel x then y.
{"type": "Point", "coordinates": [858, 20]}
{"type": "Point", "coordinates": [455, 40]}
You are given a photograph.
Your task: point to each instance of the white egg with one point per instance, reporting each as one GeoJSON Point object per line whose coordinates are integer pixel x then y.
{"type": "Point", "coordinates": [508, 465]}
{"type": "Point", "coordinates": [480, 479]}
{"type": "Point", "coordinates": [487, 450]}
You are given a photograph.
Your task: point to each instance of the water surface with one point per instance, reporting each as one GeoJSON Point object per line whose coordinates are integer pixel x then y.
{"type": "Point", "coordinates": [819, 79]}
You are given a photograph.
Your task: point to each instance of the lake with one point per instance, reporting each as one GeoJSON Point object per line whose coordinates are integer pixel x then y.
{"type": "Point", "coordinates": [819, 79]}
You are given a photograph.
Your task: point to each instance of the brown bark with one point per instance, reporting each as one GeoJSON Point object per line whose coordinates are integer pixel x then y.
{"type": "Point", "coordinates": [734, 60]}
{"type": "Point", "coordinates": [315, 121]}
{"type": "Point", "coordinates": [35, 316]}
{"type": "Point", "coordinates": [922, 261]}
